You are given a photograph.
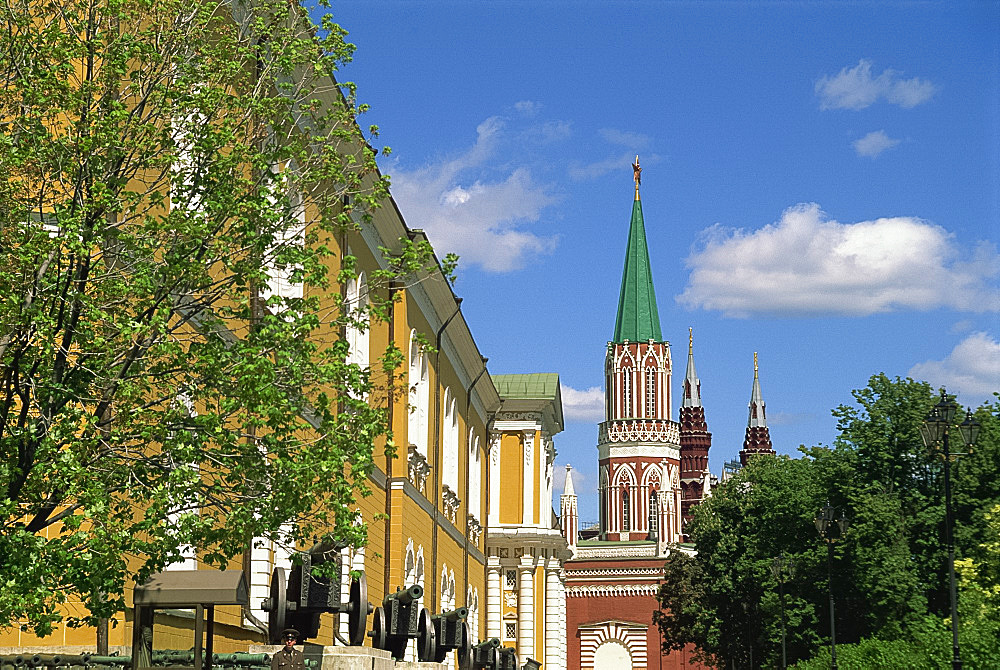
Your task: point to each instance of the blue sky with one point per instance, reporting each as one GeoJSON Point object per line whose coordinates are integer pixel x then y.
{"type": "Point", "coordinates": [821, 184]}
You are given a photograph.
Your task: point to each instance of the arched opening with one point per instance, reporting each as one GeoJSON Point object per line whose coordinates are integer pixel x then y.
{"type": "Point", "coordinates": [626, 510]}
{"type": "Point", "coordinates": [651, 412]}
{"type": "Point", "coordinates": [626, 393]}
{"type": "Point", "coordinates": [653, 526]}
{"type": "Point", "coordinates": [612, 655]}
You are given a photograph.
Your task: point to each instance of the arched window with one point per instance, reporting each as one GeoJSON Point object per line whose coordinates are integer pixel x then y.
{"type": "Point", "coordinates": [626, 393]}
{"type": "Point", "coordinates": [626, 510]}
{"type": "Point", "coordinates": [416, 425]}
{"type": "Point", "coordinates": [653, 525]}
{"type": "Point", "coordinates": [450, 441]}
{"type": "Point", "coordinates": [357, 333]}
{"type": "Point", "coordinates": [475, 476]}
{"type": "Point", "coordinates": [651, 392]}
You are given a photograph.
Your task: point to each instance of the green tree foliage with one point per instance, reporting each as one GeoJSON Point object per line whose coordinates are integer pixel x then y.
{"type": "Point", "coordinates": [889, 574]}
{"type": "Point", "coordinates": [162, 164]}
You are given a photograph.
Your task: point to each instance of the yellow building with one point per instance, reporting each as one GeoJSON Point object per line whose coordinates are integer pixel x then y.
{"type": "Point", "coordinates": [525, 581]}
{"type": "Point", "coordinates": [467, 492]}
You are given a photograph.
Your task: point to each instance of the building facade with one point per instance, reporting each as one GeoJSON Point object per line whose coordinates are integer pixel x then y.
{"type": "Point", "coordinates": [525, 581]}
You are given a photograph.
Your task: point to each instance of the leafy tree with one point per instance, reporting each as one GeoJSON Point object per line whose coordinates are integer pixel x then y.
{"type": "Point", "coordinates": [162, 166]}
{"type": "Point", "coordinates": [888, 575]}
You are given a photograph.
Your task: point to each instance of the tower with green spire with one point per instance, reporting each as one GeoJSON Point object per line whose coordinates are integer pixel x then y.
{"type": "Point", "coordinates": [638, 445]}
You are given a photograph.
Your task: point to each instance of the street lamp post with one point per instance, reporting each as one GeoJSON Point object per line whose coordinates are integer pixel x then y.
{"type": "Point", "coordinates": [934, 431]}
{"type": "Point", "coordinates": [831, 529]}
{"type": "Point", "coordinates": [782, 568]}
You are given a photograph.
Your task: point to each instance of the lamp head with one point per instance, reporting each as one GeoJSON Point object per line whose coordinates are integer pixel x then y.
{"type": "Point", "coordinates": [969, 429]}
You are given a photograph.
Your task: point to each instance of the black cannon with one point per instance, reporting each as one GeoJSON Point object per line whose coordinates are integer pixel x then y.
{"type": "Point", "coordinates": [400, 619]}
{"type": "Point", "coordinates": [451, 632]}
{"type": "Point", "coordinates": [508, 659]}
{"type": "Point", "coordinates": [298, 602]}
{"type": "Point", "coordinates": [483, 656]}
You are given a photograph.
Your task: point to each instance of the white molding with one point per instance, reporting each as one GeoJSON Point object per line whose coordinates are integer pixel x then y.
{"type": "Point", "coordinates": [612, 450]}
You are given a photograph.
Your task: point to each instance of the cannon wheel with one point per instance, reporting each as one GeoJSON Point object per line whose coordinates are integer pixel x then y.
{"type": "Point", "coordinates": [358, 609]}
{"type": "Point", "coordinates": [426, 636]}
{"type": "Point", "coordinates": [465, 648]}
{"type": "Point", "coordinates": [378, 635]}
{"type": "Point", "coordinates": [278, 596]}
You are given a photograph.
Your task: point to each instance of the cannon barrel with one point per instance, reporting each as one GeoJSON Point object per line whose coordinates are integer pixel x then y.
{"type": "Point", "coordinates": [173, 657]}
{"type": "Point", "coordinates": [486, 644]}
{"type": "Point", "coordinates": [72, 659]}
{"type": "Point", "coordinates": [407, 595]}
{"type": "Point", "coordinates": [94, 659]}
{"type": "Point", "coordinates": [50, 660]}
{"type": "Point", "coordinates": [241, 658]}
{"type": "Point", "coordinates": [458, 614]}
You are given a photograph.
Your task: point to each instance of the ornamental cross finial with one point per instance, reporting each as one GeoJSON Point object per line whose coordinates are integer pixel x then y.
{"type": "Point", "coordinates": [690, 340]}
{"type": "Point", "coordinates": [637, 175]}
{"type": "Point", "coordinates": [755, 365]}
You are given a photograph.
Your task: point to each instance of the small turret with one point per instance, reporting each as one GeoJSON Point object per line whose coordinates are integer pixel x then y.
{"type": "Point", "coordinates": [568, 519]}
{"type": "Point", "coordinates": [758, 439]}
{"type": "Point", "coordinates": [695, 439]}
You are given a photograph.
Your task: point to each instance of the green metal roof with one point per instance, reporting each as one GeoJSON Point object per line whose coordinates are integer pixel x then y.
{"type": "Point", "coordinates": [537, 385]}
{"type": "Point", "coordinates": [638, 319]}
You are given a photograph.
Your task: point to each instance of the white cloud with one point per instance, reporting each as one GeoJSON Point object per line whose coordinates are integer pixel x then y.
{"type": "Point", "coordinates": [808, 265]}
{"type": "Point", "coordinates": [972, 369]}
{"type": "Point", "coordinates": [586, 405]}
{"type": "Point", "coordinates": [874, 143]}
{"type": "Point", "coordinates": [855, 88]}
{"type": "Point", "coordinates": [483, 220]}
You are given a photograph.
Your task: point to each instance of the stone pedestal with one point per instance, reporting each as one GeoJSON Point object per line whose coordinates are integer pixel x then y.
{"type": "Point", "coordinates": [341, 658]}
{"type": "Point", "coordinates": [421, 665]}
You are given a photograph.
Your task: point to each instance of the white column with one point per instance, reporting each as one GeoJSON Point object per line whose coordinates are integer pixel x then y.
{"type": "Point", "coordinates": [552, 614]}
{"type": "Point", "coordinates": [530, 485]}
{"type": "Point", "coordinates": [563, 641]}
{"type": "Point", "coordinates": [526, 608]}
{"type": "Point", "coordinates": [494, 597]}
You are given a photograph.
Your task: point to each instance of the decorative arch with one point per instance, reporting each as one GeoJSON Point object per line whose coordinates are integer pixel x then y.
{"type": "Point", "coordinates": [610, 645]}
{"type": "Point", "coordinates": [625, 475]}
{"type": "Point", "coordinates": [651, 475]}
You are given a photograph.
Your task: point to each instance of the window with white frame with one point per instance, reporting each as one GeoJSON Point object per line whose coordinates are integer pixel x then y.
{"type": "Point", "coordinates": [356, 303]}
{"type": "Point", "coordinates": [475, 475]}
{"type": "Point", "coordinates": [291, 234]}
{"type": "Point", "coordinates": [418, 397]}
{"type": "Point", "coordinates": [450, 442]}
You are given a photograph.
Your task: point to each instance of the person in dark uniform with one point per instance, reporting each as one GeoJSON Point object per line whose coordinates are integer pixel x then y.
{"type": "Point", "coordinates": [288, 658]}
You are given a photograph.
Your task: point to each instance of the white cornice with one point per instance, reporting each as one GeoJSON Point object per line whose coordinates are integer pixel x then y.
{"type": "Point", "coordinates": [628, 450]}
